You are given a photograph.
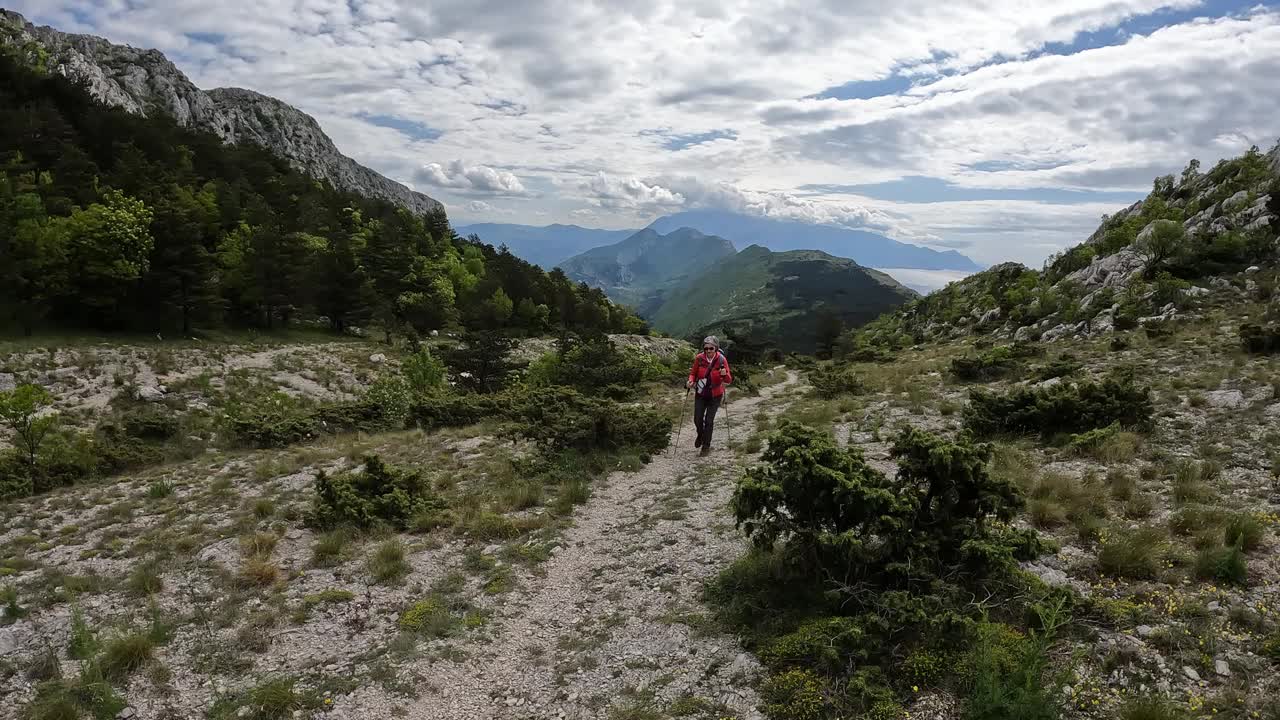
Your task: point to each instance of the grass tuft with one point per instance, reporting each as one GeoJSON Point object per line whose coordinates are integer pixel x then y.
{"type": "Point", "coordinates": [1132, 554]}
{"type": "Point", "coordinates": [387, 564]}
{"type": "Point", "coordinates": [126, 654]}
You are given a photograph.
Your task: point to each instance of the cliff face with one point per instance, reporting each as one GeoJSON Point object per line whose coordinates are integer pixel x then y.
{"type": "Point", "coordinates": [146, 82]}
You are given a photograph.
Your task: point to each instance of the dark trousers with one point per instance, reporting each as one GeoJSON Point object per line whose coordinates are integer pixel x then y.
{"type": "Point", "coordinates": [704, 417]}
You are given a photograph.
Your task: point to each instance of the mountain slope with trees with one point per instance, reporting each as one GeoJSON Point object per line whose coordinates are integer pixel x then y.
{"type": "Point", "coordinates": [546, 247]}
{"type": "Point", "coordinates": [114, 220]}
{"type": "Point", "coordinates": [1143, 267]}
{"type": "Point", "coordinates": [642, 269]}
{"type": "Point", "coordinates": [795, 301]}
{"type": "Point", "coordinates": [145, 82]}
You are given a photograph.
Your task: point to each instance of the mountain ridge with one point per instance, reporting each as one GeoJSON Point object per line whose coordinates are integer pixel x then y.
{"type": "Point", "coordinates": [546, 246]}
{"type": "Point", "coordinates": [145, 81]}
{"type": "Point", "coordinates": [642, 268]}
{"type": "Point", "coordinates": [782, 298]}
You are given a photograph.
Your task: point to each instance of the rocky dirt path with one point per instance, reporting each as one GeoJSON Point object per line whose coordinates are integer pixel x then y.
{"type": "Point", "coordinates": [616, 626]}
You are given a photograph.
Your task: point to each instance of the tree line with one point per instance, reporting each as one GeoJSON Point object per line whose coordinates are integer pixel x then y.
{"type": "Point", "coordinates": [115, 221]}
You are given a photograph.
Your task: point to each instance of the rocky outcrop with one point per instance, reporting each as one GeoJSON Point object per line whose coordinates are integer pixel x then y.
{"type": "Point", "coordinates": [146, 82]}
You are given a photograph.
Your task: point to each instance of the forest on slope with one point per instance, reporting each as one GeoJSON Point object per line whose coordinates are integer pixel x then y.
{"type": "Point", "coordinates": [114, 221]}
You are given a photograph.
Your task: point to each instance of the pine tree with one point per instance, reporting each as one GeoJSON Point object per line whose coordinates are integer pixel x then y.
{"type": "Point", "coordinates": [182, 275]}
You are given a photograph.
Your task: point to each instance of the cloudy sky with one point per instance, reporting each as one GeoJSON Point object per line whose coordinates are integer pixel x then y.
{"type": "Point", "coordinates": [1002, 128]}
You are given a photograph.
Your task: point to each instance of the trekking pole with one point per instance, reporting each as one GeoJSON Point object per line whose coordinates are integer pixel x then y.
{"type": "Point", "coordinates": [728, 425]}
{"type": "Point", "coordinates": [679, 423]}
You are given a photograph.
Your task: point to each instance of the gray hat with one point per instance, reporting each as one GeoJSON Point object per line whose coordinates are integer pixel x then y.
{"type": "Point", "coordinates": [711, 340]}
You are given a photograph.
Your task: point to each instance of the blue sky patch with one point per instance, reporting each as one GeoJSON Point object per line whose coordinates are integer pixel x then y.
{"type": "Point", "coordinates": [866, 89]}
{"type": "Point", "coordinates": [408, 128]}
{"type": "Point", "coordinates": [920, 189]}
{"type": "Point", "coordinates": [683, 142]}
{"type": "Point", "coordinates": [1145, 25]}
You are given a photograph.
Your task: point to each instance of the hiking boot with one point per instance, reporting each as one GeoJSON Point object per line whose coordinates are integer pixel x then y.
{"type": "Point", "coordinates": [706, 450]}
{"type": "Point", "coordinates": [698, 443]}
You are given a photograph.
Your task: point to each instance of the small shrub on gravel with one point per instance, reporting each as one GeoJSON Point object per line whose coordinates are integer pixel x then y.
{"type": "Point", "coordinates": [1244, 529]}
{"type": "Point", "coordinates": [258, 572]}
{"type": "Point", "coordinates": [328, 548]}
{"type": "Point", "coordinates": [275, 699]}
{"type": "Point", "coordinates": [1151, 708]}
{"type": "Point", "coordinates": [1061, 408]}
{"type": "Point", "coordinates": [145, 580]}
{"type": "Point", "coordinates": [994, 363]}
{"type": "Point", "coordinates": [88, 695]}
{"type": "Point", "coordinates": [379, 494]}
{"type": "Point", "coordinates": [829, 382]}
{"type": "Point", "coordinates": [429, 617]}
{"type": "Point", "coordinates": [1271, 646]}
{"type": "Point", "coordinates": [1260, 340]}
{"type": "Point", "coordinates": [1222, 564]}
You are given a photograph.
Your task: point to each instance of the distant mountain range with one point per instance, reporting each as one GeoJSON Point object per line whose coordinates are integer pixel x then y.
{"type": "Point", "coordinates": [780, 298]}
{"type": "Point", "coordinates": [551, 245]}
{"type": "Point", "coordinates": [642, 269]}
{"type": "Point", "coordinates": [865, 248]}
{"type": "Point", "coordinates": [546, 246]}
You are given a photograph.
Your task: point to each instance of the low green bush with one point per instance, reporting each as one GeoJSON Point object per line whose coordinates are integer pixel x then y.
{"type": "Point", "coordinates": [994, 363]}
{"type": "Point", "coordinates": [379, 494]}
{"type": "Point", "coordinates": [1259, 339]}
{"type": "Point", "coordinates": [1222, 564]}
{"type": "Point", "coordinates": [831, 382]}
{"type": "Point", "coordinates": [1062, 408]}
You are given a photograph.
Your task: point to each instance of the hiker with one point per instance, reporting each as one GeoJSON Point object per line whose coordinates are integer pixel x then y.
{"type": "Point", "coordinates": [708, 377]}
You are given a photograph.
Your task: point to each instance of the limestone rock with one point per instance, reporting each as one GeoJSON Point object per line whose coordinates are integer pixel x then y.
{"type": "Point", "coordinates": [1236, 202]}
{"type": "Point", "coordinates": [7, 382]}
{"type": "Point", "coordinates": [1225, 399]}
{"type": "Point", "coordinates": [149, 393]}
{"type": "Point", "coordinates": [377, 358]}
{"type": "Point", "coordinates": [1222, 668]}
{"type": "Point", "coordinates": [1112, 271]}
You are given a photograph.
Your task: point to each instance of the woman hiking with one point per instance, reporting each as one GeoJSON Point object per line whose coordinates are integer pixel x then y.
{"type": "Point", "coordinates": [708, 377]}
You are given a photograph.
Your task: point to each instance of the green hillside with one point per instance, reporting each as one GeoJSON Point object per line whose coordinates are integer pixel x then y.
{"type": "Point", "coordinates": [123, 222]}
{"type": "Point", "coordinates": [642, 269]}
{"type": "Point", "coordinates": [792, 299]}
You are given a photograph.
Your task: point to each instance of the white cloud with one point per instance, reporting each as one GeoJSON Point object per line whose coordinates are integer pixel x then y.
{"type": "Point", "coordinates": [563, 103]}
{"type": "Point", "coordinates": [479, 178]}
{"type": "Point", "coordinates": [628, 193]}
{"type": "Point", "coordinates": [482, 208]}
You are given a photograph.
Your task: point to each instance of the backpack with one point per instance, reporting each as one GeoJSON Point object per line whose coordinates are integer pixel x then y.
{"type": "Point", "coordinates": [703, 385]}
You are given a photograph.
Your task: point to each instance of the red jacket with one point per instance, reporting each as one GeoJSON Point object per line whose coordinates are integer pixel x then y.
{"type": "Point", "coordinates": [702, 368]}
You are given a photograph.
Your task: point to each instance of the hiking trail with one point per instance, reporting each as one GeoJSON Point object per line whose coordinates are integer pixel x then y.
{"type": "Point", "coordinates": [616, 621]}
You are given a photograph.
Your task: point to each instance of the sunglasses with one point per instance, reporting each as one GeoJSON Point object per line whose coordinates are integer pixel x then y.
{"type": "Point", "coordinates": [708, 348]}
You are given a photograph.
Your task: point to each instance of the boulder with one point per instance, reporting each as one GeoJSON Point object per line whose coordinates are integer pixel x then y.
{"type": "Point", "coordinates": [1222, 668]}
{"type": "Point", "coordinates": [1225, 399]}
{"type": "Point", "coordinates": [1022, 334]}
{"type": "Point", "coordinates": [1236, 202]}
{"type": "Point", "coordinates": [8, 381]}
{"type": "Point", "coordinates": [1252, 269]}
{"type": "Point", "coordinates": [990, 316]}
{"type": "Point", "coordinates": [149, 393]}
{"type": "Point", "coordinates": [1195, 291]}
{"type": "Point", "coordinates": [377, 358]}
{"type": "Point", "coordinates": [1112, 271]}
